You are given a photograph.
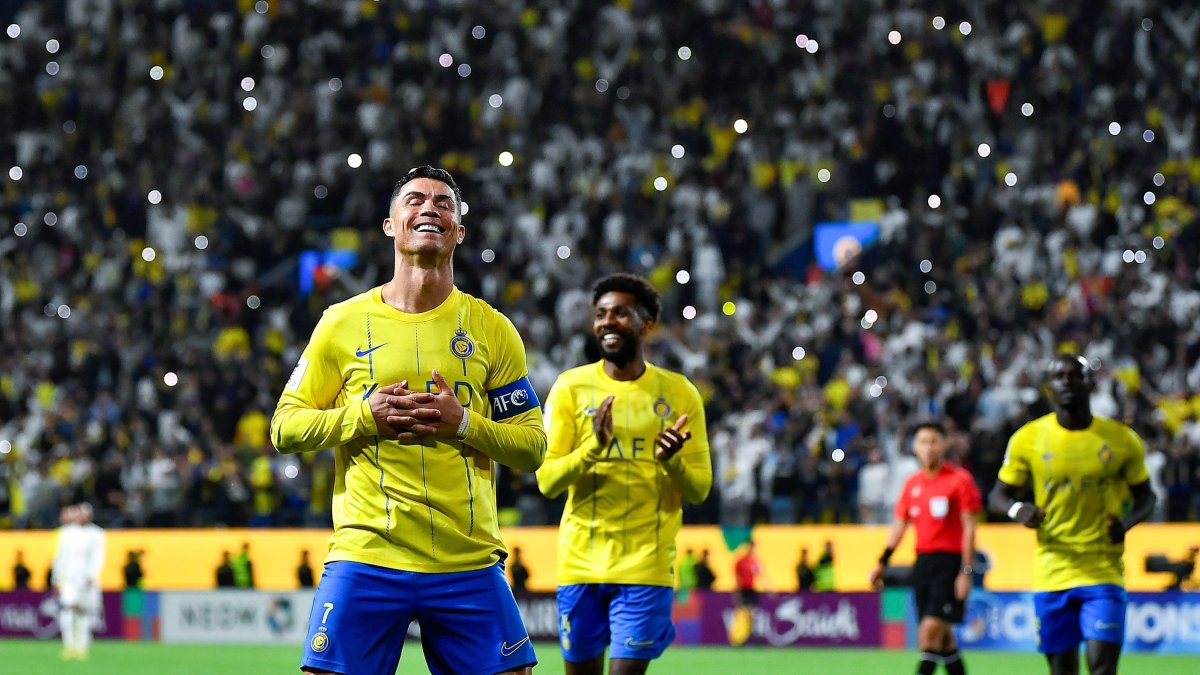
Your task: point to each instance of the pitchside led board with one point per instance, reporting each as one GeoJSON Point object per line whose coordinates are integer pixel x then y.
{"type": "Point", "coordinates": [836, 243]}
{"type": "Point", "coordinates": [316, 265]}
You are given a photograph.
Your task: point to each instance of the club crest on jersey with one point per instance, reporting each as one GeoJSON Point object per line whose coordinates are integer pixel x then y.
{"type": "Point", "coordinates": [320, 642]}
{"type": "Point", "coordinates": [662, 408]}
{"type": "Point", "coordinates": [1105, 454]}
{"type": "Point", "coordinates": [461, 345]}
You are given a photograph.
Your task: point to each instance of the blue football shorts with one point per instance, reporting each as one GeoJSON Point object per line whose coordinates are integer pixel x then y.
{"type": "Point", "coordinates": [632, 621]}
{"type": "Point", "coordinates": [1067, 617]}
{"type": "Point", "coordinates": [469, 621]}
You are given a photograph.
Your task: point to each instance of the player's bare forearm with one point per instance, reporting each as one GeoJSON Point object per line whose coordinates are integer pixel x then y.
{"type": "Point", "coordinates": [968, 538]}
{"type": "Point", "coordinates": [519, 442]}
{"type": "Point", "coordinates": [1004, 499]}
{"type": "Point", "coordinates": [561, 471]}
{"type": "Point", "coordinates": [295, 428]}
{"type": "Point", "coordinates": [1143, 504]}
{"type": "Point", "coordinates": [896, 534]}
{"type": "Point", "coordinates": [692, 475]}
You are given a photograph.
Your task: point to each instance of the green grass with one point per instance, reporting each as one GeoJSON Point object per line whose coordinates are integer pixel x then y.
{"type": "Point", "coordinates": [138, 658]}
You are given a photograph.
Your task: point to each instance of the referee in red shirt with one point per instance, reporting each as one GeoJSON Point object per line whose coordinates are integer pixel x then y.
{"type": "Point", "coordinates": [941, 502]}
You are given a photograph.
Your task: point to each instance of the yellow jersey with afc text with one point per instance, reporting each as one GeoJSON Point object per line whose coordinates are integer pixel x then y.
{"type": "Point", "coordinates": [1079, 478]}
{"type": "Point", "coordinates": [428, 506]}
{"type": "Point", "coordinates": [623, 510]}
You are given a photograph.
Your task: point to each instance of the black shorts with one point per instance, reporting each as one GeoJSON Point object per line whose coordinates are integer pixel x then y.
{"type": "Point", "coordinates": [933, 586]}
{"type": "Point", "coordinates": [746, 597]}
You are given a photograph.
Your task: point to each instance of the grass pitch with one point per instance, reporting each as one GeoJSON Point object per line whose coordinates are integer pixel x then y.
{"type": "Point", "coordinates": [146, 658]}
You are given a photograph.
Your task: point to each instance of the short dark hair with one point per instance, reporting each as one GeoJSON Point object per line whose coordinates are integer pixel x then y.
{"type": "Point", "coordinates": [426, 171]}
{"type": "Point", "coordinates": [622, 282]}
{"type": "Point", "coordinates": [930, 424]}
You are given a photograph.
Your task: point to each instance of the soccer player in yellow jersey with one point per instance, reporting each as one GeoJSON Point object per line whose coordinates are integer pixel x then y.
{"type": "Point", "coordinates": [627, 442]}
{"type": "Point", "coordinates": [1080, 466]}
{"type": "Point", "coordinates": [414, 508]}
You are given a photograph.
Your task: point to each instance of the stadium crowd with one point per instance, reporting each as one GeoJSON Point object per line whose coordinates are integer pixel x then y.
{"type": "Point", "coordinates": [1032, 169]}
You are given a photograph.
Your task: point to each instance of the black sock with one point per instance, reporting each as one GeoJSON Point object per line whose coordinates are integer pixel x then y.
{"type": "Point", "coordinates": [953, 662]}
{"type": "Point", "coordinates": [928, 663]}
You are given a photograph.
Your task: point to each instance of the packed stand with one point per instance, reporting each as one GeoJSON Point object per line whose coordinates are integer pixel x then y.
{"type": "Point", "coordinates": [1032, 170]}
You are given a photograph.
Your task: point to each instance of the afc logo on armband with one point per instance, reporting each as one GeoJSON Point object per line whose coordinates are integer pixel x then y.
{"type": "Point", "coordinates": [513, 399]}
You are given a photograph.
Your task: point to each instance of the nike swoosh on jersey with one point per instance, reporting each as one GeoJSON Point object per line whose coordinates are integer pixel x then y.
{"type": "Point", "coordinates": [506, 651]}
{"type": "Point", "coordinates": [644, 643]}
{"type": "Point", "coordinates": [363, 352]}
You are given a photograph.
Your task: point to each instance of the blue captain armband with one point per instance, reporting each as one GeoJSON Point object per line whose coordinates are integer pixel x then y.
{"type": "Point", "coordinates": [512, 399]}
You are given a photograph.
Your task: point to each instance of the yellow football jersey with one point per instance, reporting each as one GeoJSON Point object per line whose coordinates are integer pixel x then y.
{"type": "Point", "coordinates": [1079, 478]}
{"type": "Point", "coordinates": [428, 506]}
{"type": "Point", "coordinates": [624, 510]}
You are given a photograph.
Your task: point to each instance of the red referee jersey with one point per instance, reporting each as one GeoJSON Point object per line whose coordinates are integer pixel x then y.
{"type": "Point", "coordinates": [934, 505]}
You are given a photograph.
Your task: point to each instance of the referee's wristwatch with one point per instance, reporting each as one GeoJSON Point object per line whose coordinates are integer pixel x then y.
{"type": "Point", "coordinates": [967, 570]}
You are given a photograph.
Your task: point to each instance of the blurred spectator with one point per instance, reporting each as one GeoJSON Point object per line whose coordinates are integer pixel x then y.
{"type": "Point", "coordinates": [704, 573]}
{"type": "Point", "coordinates": [225, 576]}
{"type": "Point", "coordinates": [805, 577]}
{"type": "Point", "coordinates": [304, 572]}
{"type": "Point", "coordinates": [873, 481]}
{"type": "Point", "coordinates": [823, 578]}
{"type": "Point", "coordinates": [20, 573]}
{"type": "Point", "coordinates": [243, 568]}
{"type": "Point", "coordinates": [520, 573]}
{"type": "Point", "coordinates": [133, 569]}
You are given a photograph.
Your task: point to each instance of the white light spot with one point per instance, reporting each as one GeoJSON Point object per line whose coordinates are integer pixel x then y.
{"type": "Point", "coordinates": [660, 183]}
{"type": "Point", "coordinates": [505, 158]}
{"type": "Point", "coordinates": [148, 254]}
{"type": "Point", "coordinates": [335, 84]}
{"type": "Point", "coordinates": [52, 68]}
{"type": "Point", "coordinates": [254, 302]}
{"type": "Point", "coordinates": [930, 287]}
{"type": "Point", "coordinates": [261, 6]}
{"type": "Point", "coordinates": [965, 27]}
{"type": "Point", "coordinates": [823, 175]}
{"type": "Point", "coordinates": [1127, 256]}
{"type": "Point", "coordinates": [798, 353]}
{"type": "Point", "coordinates": [250, 103]}
{"type": "Point", "coordinates": [51, 218]}
{"type": "Point", "coordinates": [838, 455]}
{"type": "Point", "coordinates": [267, 51]}
{"type": "Point", "coordinates": [13, 30]}
{"type": "Point", "coordinates": [495, 100]}
{"type": "Point", "coordinates": [689, 312]}
{"type": "Point", "coordinates": [291, 471]}
{"type": "Point", "coordinates": [478, 32]}
{"type": "Point", "coordinates": [984, 150]}
{"type": "Point", "coordinates": [20, 229]}
{"type": "Point", "coordinates": [50, 309]}
{"type": "Point", "coordinates": [15, 173]}
{"type": "Point", "coordinates": [5, 446]}
{"type": "Point", "coordinates": [488, 255]}
{"type": "Point", "coordinates": [80, 171]}
{"type": "Point", "coordinates": [938, 23]}
{"type": "Point", "coordinates": [247, 84]}
{"type": "Point", "coordinates": [354, 160]}
{"type": "Point", "coordinates": [934, 201]}
{"type": "Point", "coordinates": [684, 53]}
{"type": "Point", "coordinates": [1010, 179]}
{"type": "Point", "coordinates": [894, 37]}
{"type": "Point", "coordinates": [1114, 128]}
{"type": "Point", "coordinates": [1027, 109]}
{"type": "Point", "coordinates": [156, 73]}
{"type": "Point", "coordinates": [1159, 179]}
{"type": "Point", "coordinates": [677, 151]}
{"type": "Point", "coordinates": [445, 60]}
{"type": "Point", "coordinates": [811, 47]}
{"type": "Point", "coordinates": [320, 192]}
{"type": "Point", "coordinates": [170, 379]}
{"type": "Point", "coordinates": [1158, 242]}
{"type": "Point", "coordinates": [564, 252]}
{"type": "Point", "coordinates": [740, 126]}
{"type": "Point", "coordinates": [926, 266]}
{"type": "Point", "coordinates": [466, 208]}
{"type": "Point", "coordinates": [871, 316]}
{"type": "Point", "coordinates": [1139, 256]}
{"type": "Point", "coordinates": [201, 242]}
{"type": "Point", "coordinates": [858, 278]}
{"type": "Point", "coordinates": [464, 70]}
{"type": "Point", "coordinates": [1148, 135]}
{"type": "Point", "coordinates": [1147, 24]}
{"type": "Point", "coordinates": [64, 312]}
{"type": "Point", "coordinates": [881, 381]}
{"type": "Point", "coordinates": [52, 46]}
{"type": "Point", "coordinates": [154, 197]}
{"type": "Point", "coordinates": [875, 391]}
{"type": "Point", "coordinates": [801, 41]}
{"type": "Point", "coordinates": [1149, 198]}
{"type": "Point", "coordinates": [602, 85]}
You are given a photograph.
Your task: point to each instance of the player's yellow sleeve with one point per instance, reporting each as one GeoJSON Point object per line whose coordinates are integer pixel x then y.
{"type": "Point", "coordinates": [514, 435]}
{"type": "Point", "coordinates": [691, 468]}
{"type": "Point", "coordinates": [563, 467]}
{"type": "Point", "coordinates": [306, 417]}
{"type": "Point", "coordinates": [1134, 470]}
{"type": "Point", "coordinates": [1015, 469]}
